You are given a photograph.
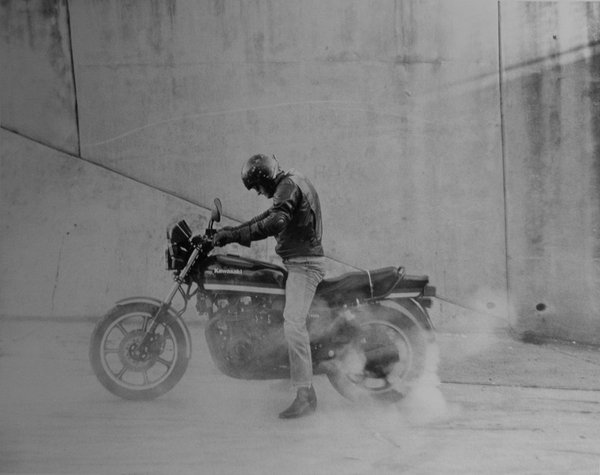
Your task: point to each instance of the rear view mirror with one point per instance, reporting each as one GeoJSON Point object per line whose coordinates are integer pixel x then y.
{"type": "Point", "coordinates": [217, 211]}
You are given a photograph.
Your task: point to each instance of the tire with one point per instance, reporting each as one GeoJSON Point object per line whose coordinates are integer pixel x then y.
{"type": "Point", "coordinates": [131, 376]}
{"type": "Point", "coordinates": [386, 357]}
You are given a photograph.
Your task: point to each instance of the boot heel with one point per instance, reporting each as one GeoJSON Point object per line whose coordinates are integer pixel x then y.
{"type": "Point", "coordinates": [312, 398]}
{"type": "Point", "coordinates": [304, 404]}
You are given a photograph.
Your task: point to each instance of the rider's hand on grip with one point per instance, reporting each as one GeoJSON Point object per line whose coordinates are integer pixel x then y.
{"type": "Point", "coordinates": [197, 240]}
{"type": "Point", "coordinates": [225, 236]}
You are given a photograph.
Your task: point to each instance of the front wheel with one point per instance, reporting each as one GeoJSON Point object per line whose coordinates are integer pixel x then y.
{"type": "Point", "coordinates": [129, 369]}
{"type": "Point", "coordinates": [388, 354]}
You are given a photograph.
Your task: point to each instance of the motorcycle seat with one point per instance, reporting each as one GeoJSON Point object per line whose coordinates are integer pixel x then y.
{"type": "Point", "coordinates": [360, 285]}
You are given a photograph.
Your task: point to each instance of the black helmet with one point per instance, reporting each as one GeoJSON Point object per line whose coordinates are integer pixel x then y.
{"type": "Point", "coordinates": [260, 170]}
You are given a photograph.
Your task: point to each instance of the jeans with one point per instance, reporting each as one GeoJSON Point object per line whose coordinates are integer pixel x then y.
{"type": "Point", "coordinates": [304, 274]}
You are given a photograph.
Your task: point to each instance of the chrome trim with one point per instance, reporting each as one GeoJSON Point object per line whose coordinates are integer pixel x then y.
{"type": "Point", "coordinates": [245, 288]}
{"type": "Point", "coordinates": [402, 295]}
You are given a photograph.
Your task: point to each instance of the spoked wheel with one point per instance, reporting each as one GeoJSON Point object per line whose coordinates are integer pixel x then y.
{"type": "Point", "coordinates": [386, 356]}
{"type": "Point", "coordinates": [129, 368]}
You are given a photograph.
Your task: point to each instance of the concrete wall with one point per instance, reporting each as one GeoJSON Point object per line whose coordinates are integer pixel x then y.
{"type": "Point", "coordinates": [77, 237]}
{"type": "Point", "coordinates": [392, 107]}
{"type": "Point", "coordinates": [551, 107]}
{"type": "Point", "coordinates": [36, 73]}
{"type": "Point", "coordinates": [363, 97]}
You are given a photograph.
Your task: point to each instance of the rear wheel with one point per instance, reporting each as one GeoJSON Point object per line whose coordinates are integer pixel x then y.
{"type": "Point", "coordinates": [127, 368]}
{"type": "Point", "coordinates": [386, 357]}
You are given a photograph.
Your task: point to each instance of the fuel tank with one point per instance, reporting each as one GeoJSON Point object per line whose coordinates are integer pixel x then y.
{"type": "Point", "coordinates": [230, 273]}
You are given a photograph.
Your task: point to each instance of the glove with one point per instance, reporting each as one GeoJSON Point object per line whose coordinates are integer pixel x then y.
{"type": "Point", "coordinates": [225, 236]}
{"type": "Point", "coordinates": [196, 240]}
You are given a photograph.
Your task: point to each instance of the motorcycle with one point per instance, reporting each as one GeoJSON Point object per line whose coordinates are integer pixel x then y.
{"type": "Point", "coordinates": [370, 331]}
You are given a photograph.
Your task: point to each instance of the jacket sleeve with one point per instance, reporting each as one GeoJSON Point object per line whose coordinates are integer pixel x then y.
{"type": "Point", "coordinates": [253, 220]}
{"type": "Point", "coordinates": [276, 218]}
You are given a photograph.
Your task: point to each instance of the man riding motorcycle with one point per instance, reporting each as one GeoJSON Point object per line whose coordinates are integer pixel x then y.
{"type": "Point", "coordinates": [294, 219]}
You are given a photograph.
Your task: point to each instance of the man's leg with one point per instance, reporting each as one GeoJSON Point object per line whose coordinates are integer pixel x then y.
{"type": "Point", "coordinates": [304, 275]}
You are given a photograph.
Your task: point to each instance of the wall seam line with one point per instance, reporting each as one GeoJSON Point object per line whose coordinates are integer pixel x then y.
{"type": "Point", "coordinates": [503, 158]}
{"type": "Point", "coordinates": [73, 76]}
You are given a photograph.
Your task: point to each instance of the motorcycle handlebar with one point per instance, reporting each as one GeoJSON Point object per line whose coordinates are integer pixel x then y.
{"type": "Point", "coordinates": [207, 240]}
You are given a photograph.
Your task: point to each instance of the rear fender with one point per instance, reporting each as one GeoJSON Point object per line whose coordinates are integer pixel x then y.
{"type": "Point", "coordinates": [176, 317]}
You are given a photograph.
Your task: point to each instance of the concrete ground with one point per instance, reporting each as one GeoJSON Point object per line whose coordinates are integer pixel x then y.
{"type": "Point", "coordinates": [501, 406]}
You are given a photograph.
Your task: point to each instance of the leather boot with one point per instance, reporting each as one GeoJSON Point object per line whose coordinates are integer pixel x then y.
{"type": "Point", "coordinates": [304, 404]}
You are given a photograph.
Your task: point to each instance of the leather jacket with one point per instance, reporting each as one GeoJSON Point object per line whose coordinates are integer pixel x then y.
{"type": "Point", "coordinates": [294, 218]}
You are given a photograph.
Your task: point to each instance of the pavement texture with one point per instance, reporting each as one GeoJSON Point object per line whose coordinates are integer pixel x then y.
{"type": "Point", "coordinates": [496, 406]}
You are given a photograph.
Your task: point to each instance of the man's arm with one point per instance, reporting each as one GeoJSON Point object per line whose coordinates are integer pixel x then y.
{"type": "Point", "coordinates": [276, 218]}
{"type": "Point", "coordinates": [260, 217]}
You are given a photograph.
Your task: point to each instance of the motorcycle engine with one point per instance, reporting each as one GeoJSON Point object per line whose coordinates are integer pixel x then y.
{"type": "Point", "coordinates": [246, 328]}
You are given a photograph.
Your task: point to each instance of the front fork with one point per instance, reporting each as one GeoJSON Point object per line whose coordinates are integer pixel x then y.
{"type": "Point", "coordinates": [157, 319]}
